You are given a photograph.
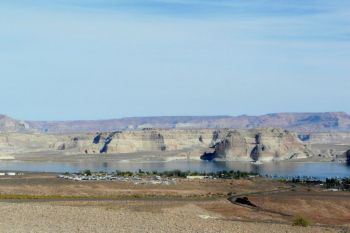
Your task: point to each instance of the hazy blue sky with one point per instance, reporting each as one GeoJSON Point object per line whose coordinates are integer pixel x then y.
{"type": "Point", "coordinates": [95, 59]}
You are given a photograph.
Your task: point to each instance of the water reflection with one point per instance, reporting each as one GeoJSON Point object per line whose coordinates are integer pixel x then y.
{"type": "Point", "coordinates": [319, 170]}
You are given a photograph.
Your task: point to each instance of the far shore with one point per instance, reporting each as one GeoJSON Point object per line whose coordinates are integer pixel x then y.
{"type": "Point", "coordinates": [144, 157]}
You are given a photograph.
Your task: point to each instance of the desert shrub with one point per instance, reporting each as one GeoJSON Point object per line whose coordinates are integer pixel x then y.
{"type": "Point", "coordinates": [87, 172]}
{"type": "Point", "coordinates": [332, 183]}
{"type": "Point", "coordinates": [300, 221]}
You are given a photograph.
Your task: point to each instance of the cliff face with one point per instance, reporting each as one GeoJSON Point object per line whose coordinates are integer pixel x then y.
{"type": "Point", "coordinates": [327, 138]}
{"type": "Point", "coordinates": [25, 142]}
{"type": "Point", "coordinates": [328, 145]}
{"type": "Point", "coordinates": [243, 145]}
{"type": "Point", "coordinates": [148, 140]}
{"type": "Point", "coordinates": [120, 142]}
{"type": "Point", "coordinates": [260, 145]}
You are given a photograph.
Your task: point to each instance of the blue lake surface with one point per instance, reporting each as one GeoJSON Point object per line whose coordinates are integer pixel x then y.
{"type": "Point", "coordinates": [281, 169]}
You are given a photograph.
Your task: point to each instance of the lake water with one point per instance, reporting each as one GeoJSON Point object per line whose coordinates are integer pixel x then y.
{"type": "Point", "coordinates": [284, 169]}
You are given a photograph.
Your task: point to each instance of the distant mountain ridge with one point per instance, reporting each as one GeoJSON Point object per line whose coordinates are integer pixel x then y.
{"type": "Point", "coordinates": [299, 122]}
{"type": "Point", "coordinates": [8, 124]}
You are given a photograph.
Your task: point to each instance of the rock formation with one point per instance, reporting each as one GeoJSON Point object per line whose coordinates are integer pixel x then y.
{"type": "Point", "coordinates": [345, 157]}
{"type": "Point", "coordinates": [228, 144]}
{"type": "Point", "coordinates": [152, 140]}
{"type": "Point", "coordinates": [328, 146]}
{"type": "Point", "coordinates": [260, 145]}
{"type": "Point", "coordinates": [8, 124]}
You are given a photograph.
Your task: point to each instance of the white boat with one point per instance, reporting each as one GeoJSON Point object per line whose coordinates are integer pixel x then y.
{"type": "Point", "coordinates": [258, 162]}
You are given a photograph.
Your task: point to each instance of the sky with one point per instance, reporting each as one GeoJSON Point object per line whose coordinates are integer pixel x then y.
{"type": "Point", "coordinates": [102, 59]}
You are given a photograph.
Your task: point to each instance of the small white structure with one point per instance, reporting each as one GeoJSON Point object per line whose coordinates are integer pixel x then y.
{"type": "Point", "coordinates": [331, 190]}
{"type": "Point", "coordinates": [196, 177]}
{"type": "Point", "coordinates": [11, 173]}
{"type": "Point", "coordinates": [2, 173]}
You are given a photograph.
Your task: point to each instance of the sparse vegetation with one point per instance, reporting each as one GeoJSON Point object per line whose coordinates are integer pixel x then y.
{"type": "Point", "coordinates": [183, 174]}
{"type": "Point", "coordinates": [300, 221]}
{"type": "Point", "coordinates": [343, 184]}
{"type": "Point", "coordinates": [330, 183]}
{"type": "Point", "coordinates": [82, 197]}
{"type": "Point", "coordinates": [87, 173]}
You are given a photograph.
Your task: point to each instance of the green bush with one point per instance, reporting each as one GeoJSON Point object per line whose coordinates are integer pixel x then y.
{"type": "Point", "coordinates": [300, 221]}
{"type": "Point", "coordinates": [87, 172]}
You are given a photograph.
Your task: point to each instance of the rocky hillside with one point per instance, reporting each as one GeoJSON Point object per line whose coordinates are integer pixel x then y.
{"type": "Point", "coordinates": [112, 142]}
{"type": "Point", "coordinates": [331, 144]}
{"type": "Point", "coordinates": [298, 122]}
{"type": "Point", "coordinates": [258, 145]}
{"type": "Point", "coordinates": [326, 138]}
{"type": "Point", "coordinates": [8, 124]}
{"type": "Point", "coordinates": [242, 145]}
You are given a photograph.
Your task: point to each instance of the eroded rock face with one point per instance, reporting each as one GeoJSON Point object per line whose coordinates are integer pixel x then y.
{"type": "Point", "coordinates": [345, 157]}
{"type": "Point", "coordinates": [328, 146]}
{"type": "Point", "coordinates": [151, 140]}
{"type": "Point", "coordinates": [233, 145]}
{"type": "Point", "coordinates": [8, 124]}
{"type": "Point", "coordinates": [242, 145]}
{"type": "Point", "coordinates": [260, 145]}
{"type": "Point", "coordinates": [327, 138]}
{"type": "Point", "coordinates": [127, 142]}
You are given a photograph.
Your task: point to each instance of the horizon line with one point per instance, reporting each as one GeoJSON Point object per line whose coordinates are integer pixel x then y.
{"type": "Point", "coordinates": [168, 116]}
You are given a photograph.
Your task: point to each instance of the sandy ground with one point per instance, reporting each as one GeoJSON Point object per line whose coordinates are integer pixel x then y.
{"type": "Point", "coordinates": [46, 217]}
{"type": "Point", "coordinates": [49, 184]}
{"type": "Point", "coordinates": [188, 206]}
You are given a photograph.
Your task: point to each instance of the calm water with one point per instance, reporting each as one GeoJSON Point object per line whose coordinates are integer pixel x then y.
{"type": "Point", "coordinates": [319, 170]}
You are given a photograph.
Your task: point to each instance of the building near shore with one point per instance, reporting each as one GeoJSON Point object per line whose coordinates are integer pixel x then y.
{"type": "Point", "coordinates": [197, 177]}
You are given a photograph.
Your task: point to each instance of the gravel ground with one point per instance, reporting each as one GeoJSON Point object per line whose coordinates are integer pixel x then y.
{"type": "Point", "coordinates": [50, 217]}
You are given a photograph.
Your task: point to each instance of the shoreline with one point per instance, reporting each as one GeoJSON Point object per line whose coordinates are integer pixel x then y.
{"type": "Point", "coordinates": [148, 157]}
{"type": "Point", "coordinates": [58, 163]}
{"type": "Point", "coordinates": [39, 193]}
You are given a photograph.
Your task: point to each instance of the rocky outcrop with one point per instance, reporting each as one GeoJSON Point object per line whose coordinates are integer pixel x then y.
{"type": "Point", "coordinates": [260, 145]}
{"type": "Point", "coordinates": [152, 140]}
{"type": "Point", "coordinates": [329, 146]}
{"type": "Point", "coordinates": [344, 157]}
{"type": "Point", "coordinates": [226, 144]}
{"type": "Point", "coordinates": [149, 140]}
{"type": "Point", "coordinates": [28, 142]}
{"type": "Point", "coordinates": [8, 124]}
{"type": "Point", "coordinates": [326, 138]}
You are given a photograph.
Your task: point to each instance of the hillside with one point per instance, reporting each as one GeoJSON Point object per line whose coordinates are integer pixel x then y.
{"type": "Point", "coordinates": [299, 122]}
{"type": "Point", "coordinates": [8, 124]}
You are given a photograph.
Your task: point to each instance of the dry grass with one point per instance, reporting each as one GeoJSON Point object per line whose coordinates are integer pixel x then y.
{"type": "Point", "coordinates": [211, 195]}
{"type": "Point", "coordinates": [300, 221]}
